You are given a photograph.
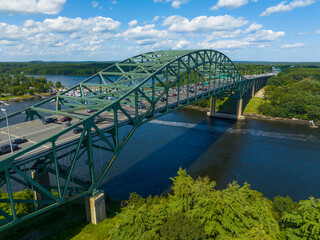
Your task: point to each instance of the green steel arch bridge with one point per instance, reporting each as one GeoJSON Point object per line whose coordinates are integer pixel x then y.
{"type": "Point", "coordinates": [59, 161]}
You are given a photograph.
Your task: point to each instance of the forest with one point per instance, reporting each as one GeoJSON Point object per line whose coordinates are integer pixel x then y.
{"type": "Point", "coordinates": [293, 93]}
{"type": "Point", "coordinates": [54, 68]}
{"type": "Point", "coordinates": [18, 85]}
{"type": "Point", "coordinates": [194, 209]}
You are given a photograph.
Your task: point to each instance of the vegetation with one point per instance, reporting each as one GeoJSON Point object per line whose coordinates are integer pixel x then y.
{"type": "Point", "coordinates": [294, 93]}
{"type": "Point", "coordinates": [252, 68]}
{"type": "Point", "coordinates": [54, 68]}
{"type": "Point", "coordinates": [19, 85]}
{"type": "Point", "coordinates": [194, 210]}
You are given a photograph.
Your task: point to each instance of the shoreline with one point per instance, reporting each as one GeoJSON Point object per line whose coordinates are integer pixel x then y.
{"type": "Point", "coordinates": [262, 117]}
{"type": "Point", "coordinates": [26, 97]}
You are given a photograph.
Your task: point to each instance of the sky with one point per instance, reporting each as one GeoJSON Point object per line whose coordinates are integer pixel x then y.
{"type": "Point", "coordinates": [112, 30]}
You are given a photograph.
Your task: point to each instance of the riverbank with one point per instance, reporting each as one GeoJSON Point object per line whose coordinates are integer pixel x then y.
{"type": "Point", "coordinates": [257, 116]}
{"type": "Point", "coordinates": [25, 97]}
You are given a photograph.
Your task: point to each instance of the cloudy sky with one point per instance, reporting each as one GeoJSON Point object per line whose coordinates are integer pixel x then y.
{"type": "Point", "coordinates": [103, 30]}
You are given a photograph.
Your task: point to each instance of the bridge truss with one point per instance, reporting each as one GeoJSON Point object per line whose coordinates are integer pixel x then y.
{"type": "Point", "coordinates": [125, 96]}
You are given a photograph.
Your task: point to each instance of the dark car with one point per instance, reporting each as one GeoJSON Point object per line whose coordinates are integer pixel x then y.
{"type": "Point", "coordinates": [77, 130]}
{"type": "Point", "coordinates": [6, 148]}
{"type": "Point", "coordinates": [163, 99]}
{"type": "Point", "coordinates": [49, 120]}
{"type": "Point", "coordinates": [141, 106]}
{"type": "Point", "coordinates": [98, 120]}
{"type": "Point", "coordinates": [19, 140]}
{"type": "Point", "coordinates": [91, 110]}
{"type": "Point", "coordinates": [66, 119]}
{"type": "Point", "coordinates": [191, 91]}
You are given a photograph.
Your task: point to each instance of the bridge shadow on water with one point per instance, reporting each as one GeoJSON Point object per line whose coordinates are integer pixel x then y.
{"type": "Point", "coordinates": [150, 175]}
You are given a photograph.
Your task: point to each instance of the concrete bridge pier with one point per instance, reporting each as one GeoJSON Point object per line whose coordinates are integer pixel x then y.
{"type": "Point", "coordinates": [95, 207]}
{"type": "Point", "coordinates": [44, 181]}
{"type": "Point", "coordinates": [253, 89]}
{"type": "Point", "coordinates": [237, 116]}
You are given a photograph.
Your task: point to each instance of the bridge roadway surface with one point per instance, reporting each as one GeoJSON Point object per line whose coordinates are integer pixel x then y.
{"type": "Point", "coordinates": [35, 131]}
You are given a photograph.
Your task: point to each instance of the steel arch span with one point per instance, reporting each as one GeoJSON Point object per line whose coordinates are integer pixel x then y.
{"type": "Point", "coordinates": [59, 165]}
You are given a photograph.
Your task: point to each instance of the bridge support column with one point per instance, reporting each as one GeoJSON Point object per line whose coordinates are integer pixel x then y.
{"type": "Point", "coordinates": [239, 110]}
{"type": "Point", "coordinates": [44, 181]}
{"type": "Point", "coordinates": [237, 116]}
{"type": "Point", "coordinates": [212, 107]}
{"type": "Point", "coordinates": [253, 90]}
{"type": "Point", "coordinates": [95, 208]}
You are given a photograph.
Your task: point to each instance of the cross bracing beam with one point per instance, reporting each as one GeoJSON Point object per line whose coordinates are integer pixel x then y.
{"type": "Point", "coordinates": [143, 87]}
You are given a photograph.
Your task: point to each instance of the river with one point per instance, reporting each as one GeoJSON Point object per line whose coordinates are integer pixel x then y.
{"type": "Point", "coordinates": [274, 158]}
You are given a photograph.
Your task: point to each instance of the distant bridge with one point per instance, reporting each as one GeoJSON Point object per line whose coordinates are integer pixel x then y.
{"type": "Point", "coordinates": [60, 166]}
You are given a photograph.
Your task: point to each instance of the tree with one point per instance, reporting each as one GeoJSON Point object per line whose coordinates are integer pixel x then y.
{"type": "Point", "coordinates": [58, 84]}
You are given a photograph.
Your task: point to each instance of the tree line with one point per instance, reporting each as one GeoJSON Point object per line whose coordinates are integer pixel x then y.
{"type": "Point", "coordinates": [18, 85]}
{"type": "Point", "coordinates": [195, 209]}
{"type": "Point", "coordinates": [54, 68]}
{"type": "Point", "coordinates": [293, 93]}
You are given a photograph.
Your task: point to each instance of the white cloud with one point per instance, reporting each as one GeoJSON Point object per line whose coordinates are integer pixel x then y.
{"type": "Point", "coordinates": [145, 35]}
{"type": "Point", "coordinates": [230, 4]}
{"type": "Point", "coordinates": [225, 45]}
{"type": "Point", "coordinates": [155, 19]}
{"type": "Point", "coordinates": [264, 36]}
{"type": "Point", "coordinates": [31, 6]}
{"type": "Point", "coordinates": [182, 44]}
{"type": "Point", "coordinates": [178, 23]}
{"type": "Point", "coordinates": [114, 2]}
{"type": "Point", "coordinates": [253, 28]}
{"type": "Point", "coordinates": [295, 45]}
{"type": "Point", "coordinates": [283, 7]}
{"type": "Point", "coordinates": [174, 3]}
{"type": "Point", "coordinates": [318, 32]}
{"type": "Point", "coordinates": [95, 4]}
{"type": "Point", "coordinates": [133, 23]}
{"type": "Point", "coordinates": [69, 25]}
{"type": "Point", "coordinates": [224, 34]}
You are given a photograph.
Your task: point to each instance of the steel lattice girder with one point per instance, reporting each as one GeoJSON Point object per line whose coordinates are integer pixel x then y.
{"type": "Point", "coordinates": [129, 94]}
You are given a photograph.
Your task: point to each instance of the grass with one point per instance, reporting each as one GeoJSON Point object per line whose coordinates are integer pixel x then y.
{"type": "Point", "coordinates": [252, 105]}
{"type": "Point", "coordinates": [65, 222]}
{"type": "Point", "coordinates": [229, 105]}
{"type": "Point", "coordinates": [27, 96]}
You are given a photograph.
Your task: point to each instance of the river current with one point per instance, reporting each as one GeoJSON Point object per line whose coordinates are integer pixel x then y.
{"type": "Point", "coordinates": [274, 158]}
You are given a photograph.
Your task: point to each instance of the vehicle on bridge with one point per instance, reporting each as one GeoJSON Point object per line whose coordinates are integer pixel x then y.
{"type": "Point", "coordinates": [91, 110]}
{"type": "Point", "coordinates": [49, 120]}
{"type": "Point", "coordinates": [98, 119]}
{"type": "Point", "coordinates": [66, 119]}
{"type": "Point", "coordinates": [6, 148]}
{"type": "Point", "coordinates": [19, 140]}
{"type": "Point", "coordinates": [77, 130]}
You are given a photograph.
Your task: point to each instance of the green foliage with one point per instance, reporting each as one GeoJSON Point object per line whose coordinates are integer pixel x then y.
{"type": "Point", "coordinates": [18, 85]}
{"type": "Point", "coordinates": [304, 223]}
{"type": "Point", "coordinates": [196, 210]}
{"type": "Point", "coordinates": [58, 84]}
{"type": "Point", "coordinates": [54, 68]}
{"type": "Point", "coordinates": [294, 93]}
{"type": "Point", "coordinates": [252, 68]}
{"type": "Point", "coordinates": [21, 208]}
